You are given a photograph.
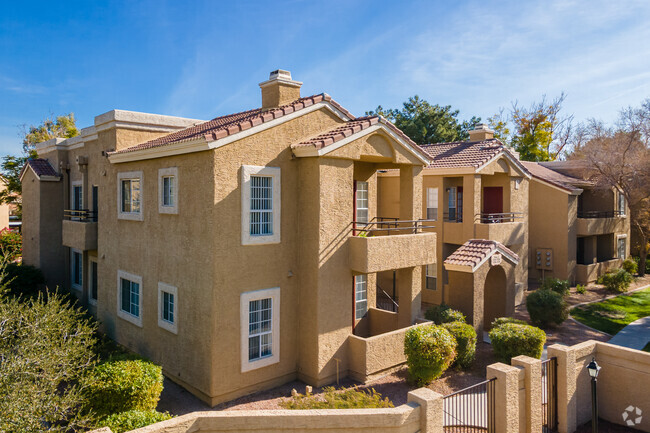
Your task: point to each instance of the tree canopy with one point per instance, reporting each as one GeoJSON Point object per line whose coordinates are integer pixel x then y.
{"type": "Point", "coordinates": [425, 123]}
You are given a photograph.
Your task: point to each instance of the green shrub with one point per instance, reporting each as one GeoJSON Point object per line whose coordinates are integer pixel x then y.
{"type": "Point", "coordinates": [24, 280]}
{"type": "Point", "coordinates": [556, 285]}
{"type": "Point", "coordinates": [546, 308]}
{"type": "Point", "coordinates": [442, 313]}
{"type": "Point", "coordinates": [617, 281]}
{"type": "Point", "coordinates": [630, 266]}
{"type": "Point", "coordinates": [503, 320]}
{"type": "Point", "coordinates": [133, 419]}
{"type": "Point", "coordinates": [121, 385]}
{"type": "Point", "coordinates": [350, 398]}
{"type": "Point", "coordinates": [637, 259]}
{"type": "Point", "coordinates": [510, 340]}
{"type": "Point", "coordinates": [465, 336]}
{"type": "Point", "coordinates": [581, 289]}
{"type": "Point", "coordinates": [11, 244]}
{"type": "Point", "coordinates": [429, 351]}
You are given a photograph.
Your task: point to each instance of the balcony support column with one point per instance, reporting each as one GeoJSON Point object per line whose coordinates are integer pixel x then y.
{"type": "Point", "coordinates": [409, 296]}
{"type": "Point", "coordinates": [410, 192]}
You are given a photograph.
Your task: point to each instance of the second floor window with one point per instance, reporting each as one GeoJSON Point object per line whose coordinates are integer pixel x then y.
{"type": "Point", "coordinates": [77, 197]}
{"type": "Point", "coordinates": [261, 205]}
{"type": "Point", "coordinates": [621, 204]}
{"type": "Point", "coordinates": [452, 203]}
{"type": "Point", "coordinates": [131, 195]}
{"type": "Point", "coordinates": [432, 203]}
{"type": "Point", "coordinates": [261, 213]}
{"type": "Point", "coordinates": [168, 191]}
{"type": "Point", "coordinates": [361, 198]}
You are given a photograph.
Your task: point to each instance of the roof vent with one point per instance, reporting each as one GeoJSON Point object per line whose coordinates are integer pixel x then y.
{"type": "Point", "coordinates": [481, 132]}
{"type": "Point", "coordinates": [279, 89]}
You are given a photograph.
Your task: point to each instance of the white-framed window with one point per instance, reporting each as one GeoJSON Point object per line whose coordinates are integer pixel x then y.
{"type": "Point", "coordinates": [129, 297]}
{"type": "Point", "coordinates": [360, 296]}
{"type": "Point", "coordinates": [76, 269]}
{"type": "Point", "coordinates": [432, 203]}
{"type": "Point", "coordinates": [621, 246]}
{"type": "Point", "coordinates": [452, 203]}
{"type": "Point", "coordinates": [260, 205]}
{"type": "Point", "coordinates": [260, 328]}
{"type": "Point", "coordinates": [168, 190]}
{"type": "Point", "coordinates": [168, 307]}
{"type": "Point", "coordinates": [620, 204]}
{"type": "Point", "coordinates": [361, 199]}
{"type": "Point", "coordinates": [129, 195]}
{"type": "Point", "coordinates": [431, 276]}
{"type": "Point", "coordinates": [93, 286]}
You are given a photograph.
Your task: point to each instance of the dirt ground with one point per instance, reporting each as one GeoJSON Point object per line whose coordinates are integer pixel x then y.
{"type": "Point", "coordinates": [178, 401]}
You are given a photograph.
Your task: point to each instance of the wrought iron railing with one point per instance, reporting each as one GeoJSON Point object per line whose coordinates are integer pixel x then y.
{"type": "Point", "coordinates": [549, 395]}
{"type": "Point", "coordinates": [470, 409]}
{"type": "Point", "coordinates": [383, 225]}
{"type": "Point", "coordinates": [83, 215]}
{"type": "Point", "coordinates": [599, 214]}
{"type": "Point", "coordinates": [385, 301]}
{"type": "Point", "coordinates": [496, 218]}
{"type": "Point", "coordinates": [454, 217]}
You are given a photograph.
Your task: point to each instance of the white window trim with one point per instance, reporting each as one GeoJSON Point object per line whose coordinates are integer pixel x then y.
{"type": "Point", "coordinates": [133, 216]}
{"type": "Point", "coordinates": [619, 194]}
{"type": "Point", "coordinates": [72, 185]}
{"type": "Point", "coordinates": [137, 321]}
{"type": "Point", "coordinates": [356, 319]}
{"type": "Point", "coordinates": [246, 172]}
{"type": "Point", "coordinates": [623, 236]}
{"type": "Point", "coordinates": [173, 290]}
{"type": "Point", "coordinates": [245, 299]}
{"type": "Point", "coordinates": [91, 260]}
{"type": "Point", "coordinates": [78, 287]}
{"type": "Point", "coordinates": [165, 172]}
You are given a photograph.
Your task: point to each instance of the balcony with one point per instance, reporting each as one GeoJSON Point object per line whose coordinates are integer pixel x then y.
{"type": "Point", "coordinates": [600, 223]}
{"type": "Point", "coordinates": [80, 229]}
{"type": "Point", "coordinates": [381, 246]}
{"type": "Point", "coordinates": [501, 227]}
{"type": "Point", "coordinates": [588, 273]}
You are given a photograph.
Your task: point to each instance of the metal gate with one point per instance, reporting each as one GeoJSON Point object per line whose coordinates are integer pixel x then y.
{"type": "Point", "coordinates": [549, 395]}
{"type": "Point", "coordinates": [471, 409]}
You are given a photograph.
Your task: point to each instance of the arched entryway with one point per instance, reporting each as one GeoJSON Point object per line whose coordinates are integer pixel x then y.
{"type": "Point", "coordinates": [494, 295]}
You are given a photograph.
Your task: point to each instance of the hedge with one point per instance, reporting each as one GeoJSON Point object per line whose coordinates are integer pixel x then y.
{"type": "Point", "coordinates": [465, 336]}
{"type": "Point", "coordinates": [630, 266]}
{"type": "Point", "coordinates": [546, 308]}
{"type": "Point", "coordinates": [617, 281]}
{"type": "Point", "coordinates": [556, 285]}
{"type": "Point", "coordinates": [429, 351]}
{"type": "Point", "coordinates": [332, 398]}
{"type": "Point", "coordinates": [133, 419]}
{"type": "Point", "coordinates": [442, 313]}
{"type": "Point", "coordinates": [121, 385]}
{"type": "Point", "coordinates": [503, 320]}
{"type": "Point", "coordinates": [510, 340]}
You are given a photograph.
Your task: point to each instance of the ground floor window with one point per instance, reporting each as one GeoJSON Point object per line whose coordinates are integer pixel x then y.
{"type": "Point", "coordinates": [431, 276]}
{"type": "Point", "coordinates": [621, 247]}
{"type": "Point", "coordinates": [92, 281]}
{"type": "Point", "coordinates": [129, 299]}
{"type": "Point", "coordinates": [360, 296]}
{"type": "Point", "coordinates": [260, 319]}
{"type": "Point", "coordinates": [168, 307]}
{"type": "Point", "coordinates": [76, 269]}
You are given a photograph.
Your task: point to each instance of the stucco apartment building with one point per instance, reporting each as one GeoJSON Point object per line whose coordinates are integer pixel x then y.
{"type": "Point", "coordinates": [226, 250]}
{"type": "Point", "coordinates": [577, 231]}
{"type": "Point", "coordinates": [477, 192]}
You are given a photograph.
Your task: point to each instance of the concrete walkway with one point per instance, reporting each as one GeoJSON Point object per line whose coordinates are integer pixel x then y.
{"type": "Point", "coordinates": [635, 335]}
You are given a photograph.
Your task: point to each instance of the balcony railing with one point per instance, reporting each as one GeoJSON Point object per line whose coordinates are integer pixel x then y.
{"type": "Point", "coordinates": [496, 218]}
{"type": "Point", "coordinates": [599, 214]}
{"type": "Point", "coordinates": [454, 217]}
{"type": "Point", "coordinates": [385, 225]}
{"type": "Point", "coordinates": [83, 215]}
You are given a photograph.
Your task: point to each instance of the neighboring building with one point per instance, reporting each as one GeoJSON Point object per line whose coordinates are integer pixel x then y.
{"type": "Point", "coordinates": [476, 191]}
{"type": "Point", "coordinates": [577, 232]}
{"type": "Point", "coordinates": [225, 250]}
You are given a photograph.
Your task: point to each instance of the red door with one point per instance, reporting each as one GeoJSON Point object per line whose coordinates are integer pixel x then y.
{"type": "Point", "coordinates": [493, 199]}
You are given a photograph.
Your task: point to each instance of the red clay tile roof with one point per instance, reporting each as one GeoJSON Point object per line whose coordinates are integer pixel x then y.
{"type": "Point", "coordinates": [462, 153]}
{"type": "Point", "coordinates": [474, 251]}
{"type": "Point", "coordinates": [553, 177]}
{"type": "Point", "coordinates": [224, 126]}
{"type": "Point", "coordinates": [354, 126]}
{"type": "Point", "coordinates": [42, 167]}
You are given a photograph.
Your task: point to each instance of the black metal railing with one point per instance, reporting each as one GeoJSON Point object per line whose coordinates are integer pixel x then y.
{"type": "Point", "coordinates": [454, 217]}
{"type": "Point", "coordinates": [387, 226]}
{"type": "Point", "coordinates": [385, 301]}
{"type": "Point", "coordinates": [599, 214]}
{"type": "Point", "coordinates": [496, 218]}
{"type": "Point", "coordinates": [549, 395]}
{"type": "Point", "coordinates": [83, 215]}
{"type": "Point", "coordinates": [470, 409]}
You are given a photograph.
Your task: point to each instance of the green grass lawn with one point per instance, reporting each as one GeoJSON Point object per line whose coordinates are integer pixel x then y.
{"type": "Point", "coordinates": [614, 314]}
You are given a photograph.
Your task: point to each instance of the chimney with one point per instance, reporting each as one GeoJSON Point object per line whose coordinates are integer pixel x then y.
{"type": "Point", "coordinates": [481, 132]}
{"type": "Point", "coordinates": [279, 90]}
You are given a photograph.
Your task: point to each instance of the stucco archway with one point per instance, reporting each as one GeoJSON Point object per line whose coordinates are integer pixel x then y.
{"type": "Point", "coordinates": [494, 295]}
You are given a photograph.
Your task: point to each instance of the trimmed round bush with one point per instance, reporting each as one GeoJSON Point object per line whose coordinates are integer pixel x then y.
{"type": "Point", "coordinates": [546, 308]}
{"type": "Point", "coordinates": [617, 281]}
{"type": "Point", "coordinates": [503, 320]}
{"type": "Point", "coordinates": [121, 385]}
{"type": "Point", "coordinates": [442, 313]}
{"type": "Point", "coordinates": [510, 340]}
{"type": "Point", "coordinates": [465, 336]}
{"type": "Point", "coordinates": [630, 266]}
{"type": "Point", "coordinates": [556, 285]}
{"type": "Point", "coordinates": [429, 351]}
{"type": "Point", "coordinates": [133, 419]}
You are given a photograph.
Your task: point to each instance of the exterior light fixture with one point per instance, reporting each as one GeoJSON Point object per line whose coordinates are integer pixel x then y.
{"type": "Point", "coordinates": [593, 368]}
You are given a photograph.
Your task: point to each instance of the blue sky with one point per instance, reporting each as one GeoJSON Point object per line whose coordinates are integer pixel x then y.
{"type": "Point", "coordinates": [202, 59]}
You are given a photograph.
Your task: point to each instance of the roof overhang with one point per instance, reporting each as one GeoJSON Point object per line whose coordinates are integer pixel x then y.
{"type": "Point", "coordinates": [505, 153]}
{"type": "Point", "coordinates": [44, 178]}
{"type": "Point", "coordinates": [572, 191]}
